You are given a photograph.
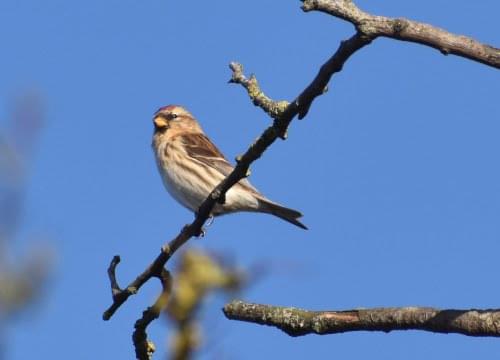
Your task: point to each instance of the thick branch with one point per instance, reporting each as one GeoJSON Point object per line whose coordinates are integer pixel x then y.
{"type": "Point", "coordinates": [407, 30]}
{"type": "Point", "coordinates": [297, 322]}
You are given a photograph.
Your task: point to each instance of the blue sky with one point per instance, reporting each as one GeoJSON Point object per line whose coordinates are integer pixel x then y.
{"type": "Point", "coordinates": [396, 168]}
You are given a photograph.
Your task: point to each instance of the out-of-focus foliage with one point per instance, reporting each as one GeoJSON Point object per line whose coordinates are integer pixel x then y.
{"type": "Point", "coordinates": [21, 279]}
{"type": "Point", "coordinates": [197, 276]}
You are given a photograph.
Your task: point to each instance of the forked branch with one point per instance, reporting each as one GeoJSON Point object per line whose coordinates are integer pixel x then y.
{"type": "Point", "coordinates": [296, 321]}
{"type": "Point", "coordinates": [283, 115]}
{"type": "Point", "coordinates": [407, 30]}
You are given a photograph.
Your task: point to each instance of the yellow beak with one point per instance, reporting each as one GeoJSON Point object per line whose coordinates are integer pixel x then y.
{"type": "Point", "coordinates": [160, 122]}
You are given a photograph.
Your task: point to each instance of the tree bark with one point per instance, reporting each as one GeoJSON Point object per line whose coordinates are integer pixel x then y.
{"type": "Point", "coordinates": [407, 30]}
{"type": "Point", "coordinates": [298, 322]}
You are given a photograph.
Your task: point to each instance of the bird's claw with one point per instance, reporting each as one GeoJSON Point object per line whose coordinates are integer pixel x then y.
{"type": "Point", "coordinates": [201, 233]}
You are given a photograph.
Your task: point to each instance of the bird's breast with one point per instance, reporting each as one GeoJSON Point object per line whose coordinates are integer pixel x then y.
{"type": "Point", "coordinates": [175, 169]}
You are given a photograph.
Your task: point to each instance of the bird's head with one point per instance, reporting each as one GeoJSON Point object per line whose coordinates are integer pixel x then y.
{"type": "Point", "coordinates": [175, 118]}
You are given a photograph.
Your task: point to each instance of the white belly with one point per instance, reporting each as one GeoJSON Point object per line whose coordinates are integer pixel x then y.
{"type": "Point", "coordinates": [190, 190]}
{"type": "Point", "coordinates": [182, 189]}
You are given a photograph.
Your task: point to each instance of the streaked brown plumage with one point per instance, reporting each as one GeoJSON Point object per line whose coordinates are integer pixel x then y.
{"type": "Point", "coordinates": [191, 166]}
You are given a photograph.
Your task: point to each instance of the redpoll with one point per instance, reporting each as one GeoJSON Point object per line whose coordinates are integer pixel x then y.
{"type": "Point", "coordinates": [191, 166]}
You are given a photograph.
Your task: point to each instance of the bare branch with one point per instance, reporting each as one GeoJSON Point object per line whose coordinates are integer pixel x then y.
{"type": "Point", "coordinates": [241, 170]}
{"type": "Point", "coordinates": [119, 295]}
{"type": "Point", "coordinates": [407, 30]}
{"type": "Point", "coordinates": [295, 321]}
{"type": "Point", "coordinates": [154, 269]}
{"type": "Point", "coordinates": [115, 288]}
{"type": "Point", "coordinates": [273, 108]}
{"type": "Point", "coordinates": [283, 115]}
{"type": "Point", "coordinates": [284, 111]}
{"type": "Point", "coordinates": [144, 348]}
{"type": "Point", "coordinates": [298, 322]}
{"type": "Point", "coordinates": [333, 65]}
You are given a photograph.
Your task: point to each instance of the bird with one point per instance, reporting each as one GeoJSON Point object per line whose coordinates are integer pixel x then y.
{"type": "Point", "coordinates": [191, 166]}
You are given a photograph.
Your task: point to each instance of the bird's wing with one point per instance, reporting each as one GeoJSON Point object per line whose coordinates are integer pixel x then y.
{"type": "Point", "coordinates": [200, 148]}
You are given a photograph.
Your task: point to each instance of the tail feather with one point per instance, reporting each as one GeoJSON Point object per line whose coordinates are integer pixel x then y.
{"type": "Point", "coordinates": [282, 212]}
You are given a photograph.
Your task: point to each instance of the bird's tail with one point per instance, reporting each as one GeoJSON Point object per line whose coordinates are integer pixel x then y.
{"type": "Point", "coordinates": [282, 212]}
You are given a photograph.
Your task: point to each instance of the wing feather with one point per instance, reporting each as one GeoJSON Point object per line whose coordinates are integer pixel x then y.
{"type": "Point", "coordinates": [200, 148]}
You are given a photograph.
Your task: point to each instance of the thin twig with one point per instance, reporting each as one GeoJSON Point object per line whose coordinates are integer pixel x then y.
{"type": "Point", "coordinates": [284, 111]}
{"type": "Point", "coordinates": [115, 288]}
{"type": "Point", "coordinates": [154, 269]}
{"type": "Point", "coordinates": [273, 108]}
{"type": "Point", "coordinates": [144, 348]}
{"type": "Point", "coordinates": [297, 322]}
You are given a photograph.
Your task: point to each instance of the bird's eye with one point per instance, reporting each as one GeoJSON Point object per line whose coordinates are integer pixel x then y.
{"type": "Point", "coordinates": [171, 116]}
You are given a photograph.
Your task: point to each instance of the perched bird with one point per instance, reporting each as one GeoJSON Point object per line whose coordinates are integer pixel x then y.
{"type": "Point", "coordinates": [191, 166]}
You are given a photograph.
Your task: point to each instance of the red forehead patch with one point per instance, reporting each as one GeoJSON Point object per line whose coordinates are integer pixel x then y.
{"type": "Point", "coordinates": [167, 108]}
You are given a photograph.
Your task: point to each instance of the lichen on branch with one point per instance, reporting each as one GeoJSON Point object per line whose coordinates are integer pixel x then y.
{"type": "Point", "coordinates": [297, 322]}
